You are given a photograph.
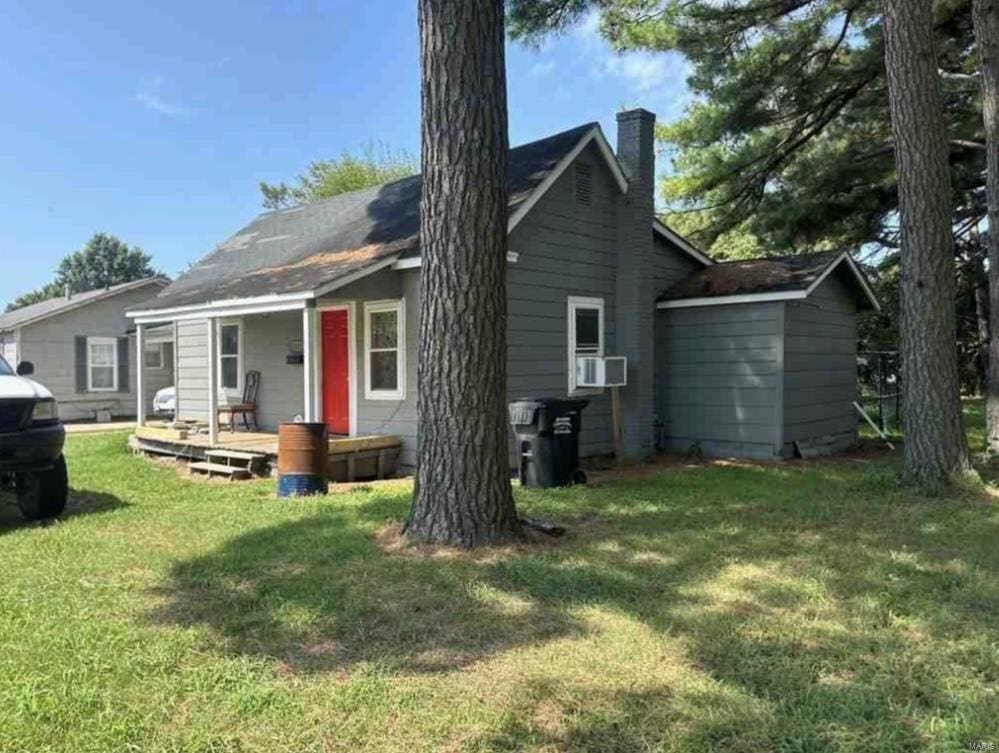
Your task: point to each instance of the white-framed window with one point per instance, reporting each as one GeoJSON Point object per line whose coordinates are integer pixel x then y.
{"type": "Point", "coordinates": [102, 364]}
{"type": "Point", "coordinates": [9, 352]}
{"type": "Point", "coordinates": [230, 338]}
{"type": "Point", "coordinates": [586, 336]}
{"type": "Point", "coordinates": [385, 350]}
{"type": "Point", "coordinates": [153, 356]}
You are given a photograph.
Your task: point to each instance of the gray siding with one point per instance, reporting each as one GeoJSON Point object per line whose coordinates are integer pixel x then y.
{"type": "Point", "coordinates": [566, 249]}
{"type": "Point", "coordinates": [50, 346]}
{"type": "Point", "coordinates": [192, 370]}
{"type": "Point", "coordinates": [267, 342]}
{"type": "Point", "coordinates": [719, 378]}
{"type": "Point", "coordinates": [820, 382]}
{"type": "Point", "coordinates": [396, 417]}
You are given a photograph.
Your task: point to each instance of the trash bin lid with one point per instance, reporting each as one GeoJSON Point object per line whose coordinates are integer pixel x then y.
{"type": "Point", "coordinates": [523, 410]}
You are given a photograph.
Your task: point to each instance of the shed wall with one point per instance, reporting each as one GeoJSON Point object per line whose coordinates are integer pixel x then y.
{"type": "Point", "coordinates": [820, 362]}
{"type": "Point", "coordinates": [719, 378]}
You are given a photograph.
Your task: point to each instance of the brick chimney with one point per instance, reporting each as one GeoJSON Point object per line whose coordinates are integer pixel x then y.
{"type": "Point", "coordinates": [635, 299]}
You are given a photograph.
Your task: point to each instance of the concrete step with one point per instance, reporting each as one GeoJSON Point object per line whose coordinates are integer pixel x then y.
{"type": "Point", "coordinates": [231, 471]}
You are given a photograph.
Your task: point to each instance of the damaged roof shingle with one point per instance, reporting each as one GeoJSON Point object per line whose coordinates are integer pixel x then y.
{"type": "Point", "coordinates": [775, 274]}
{"type": "Point", "coordinates": [306, 248]}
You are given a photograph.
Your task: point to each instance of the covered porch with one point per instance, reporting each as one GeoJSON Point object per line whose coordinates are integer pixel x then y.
{"type": "Point", "coordinates": [219, 346]}
{"type": "Point", "coordinates": [345, 358]}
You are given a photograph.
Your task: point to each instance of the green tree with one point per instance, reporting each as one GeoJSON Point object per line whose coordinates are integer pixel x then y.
{"type": "Point", "coordinates": [787, 146]}
{"type": "Point", "coordinates": [325, 178]}
{"type": "Point", "coordinates": [788, 139]}
{"type": "Point", "coordinates": [103, 261]}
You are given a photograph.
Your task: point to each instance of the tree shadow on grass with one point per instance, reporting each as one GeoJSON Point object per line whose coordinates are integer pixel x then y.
{"type": "Point", "coordinates": [811, 608]}
{"type": "Point", "coordinates": [80, 502]}
{"type": "Point", "coordinates": [318, 594]}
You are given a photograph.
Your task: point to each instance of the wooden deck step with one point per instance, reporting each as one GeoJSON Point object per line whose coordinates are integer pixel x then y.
{"type": "Point", "coordinates": [232, 471]}
{"type": "Point", "coordinates": [161, 434]}
{"type": "Point", "coordinates": [247, 457]}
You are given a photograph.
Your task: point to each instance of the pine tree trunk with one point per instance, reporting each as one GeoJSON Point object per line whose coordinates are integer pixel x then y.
{"type": "Point", "coordinates": [462, 495]}
{"type": "Point", "coordinates": [985, 14]}
{"type": "Point", "coordinates": [935, 447]}
{"type": "Point", "coordinates": [982, 325]}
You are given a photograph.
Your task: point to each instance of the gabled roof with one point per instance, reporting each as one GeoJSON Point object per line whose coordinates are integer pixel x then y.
{"type": "Point", "coordinates": [55, 306]}
{"type": "Point", "coordinates": [774, 278]}
{"type": "Point", "coordinates": [316, 246]}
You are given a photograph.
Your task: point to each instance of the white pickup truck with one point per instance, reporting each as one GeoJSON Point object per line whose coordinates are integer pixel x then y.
{"type": "Point", "coordinates": [31, 440]}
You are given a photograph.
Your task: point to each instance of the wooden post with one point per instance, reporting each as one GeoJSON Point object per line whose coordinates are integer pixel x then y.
{"type": "Point", "coordinates": [213, 412]}
{"type": "Point", "coordinates": [616, 424]}
{"type": "Point", "coordinates": [140, 361]}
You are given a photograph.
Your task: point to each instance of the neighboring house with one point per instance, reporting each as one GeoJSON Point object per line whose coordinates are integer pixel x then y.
{"type": "Point", "coordinates": [323, 300]}
{"type": "Point", "coordinates": [80, 348]}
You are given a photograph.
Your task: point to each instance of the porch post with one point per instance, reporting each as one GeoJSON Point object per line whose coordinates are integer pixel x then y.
{"type": "Point", "coordinates": [213, 413]}
{"type": "Point", "coordinates": [308, 377]}
{"type": "Point", "coordinates": [140, 393]}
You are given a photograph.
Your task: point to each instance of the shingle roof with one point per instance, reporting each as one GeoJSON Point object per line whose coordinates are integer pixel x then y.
{"type": "Point", "coordinates": [305, 248]}
{"type": "Point", "coordinates": [774, 274]}
{"type": "Point", "coordinates": [54, 306]}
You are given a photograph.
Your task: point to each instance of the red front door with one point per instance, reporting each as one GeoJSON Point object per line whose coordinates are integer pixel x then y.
{"type": "Point", "coordinates": [336, 385]}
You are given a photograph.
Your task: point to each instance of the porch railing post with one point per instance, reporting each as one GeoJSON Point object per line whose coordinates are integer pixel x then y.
{"type": "Point", "coordinates": [213, 413]}
{"type": "Point", "coordinates": [140, 392]}
{"type": "Point", "coordinates": [308, 378]}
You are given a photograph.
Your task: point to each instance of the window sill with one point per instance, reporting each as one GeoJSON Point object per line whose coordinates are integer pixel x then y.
{"type": "Point", "coordinates": [378, 395]}
{"type": "Point", "coordinates": [585, 392]}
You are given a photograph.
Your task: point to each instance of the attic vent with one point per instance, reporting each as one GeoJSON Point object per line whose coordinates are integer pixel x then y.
{"type": "Point", "coordinates": [584, 183]}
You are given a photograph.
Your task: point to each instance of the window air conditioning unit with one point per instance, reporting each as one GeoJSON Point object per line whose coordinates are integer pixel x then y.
{"type": "Point", "coordinates": [601, 371]}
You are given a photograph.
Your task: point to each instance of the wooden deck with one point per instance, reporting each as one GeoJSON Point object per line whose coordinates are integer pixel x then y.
{"type": "Point", "coordinates": [259, 443]}
{"type": "Point", "coordinates": [350, 457]}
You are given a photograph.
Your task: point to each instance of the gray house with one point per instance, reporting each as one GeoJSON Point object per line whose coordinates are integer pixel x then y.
{"type": "Point", "coordinates": [323, 300]}
{"type": "Point", "coordinates": [80, 347]}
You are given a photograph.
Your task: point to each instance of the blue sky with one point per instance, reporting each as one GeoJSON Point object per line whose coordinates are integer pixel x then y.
{"type": "Point", "coordinates": [156, 121]}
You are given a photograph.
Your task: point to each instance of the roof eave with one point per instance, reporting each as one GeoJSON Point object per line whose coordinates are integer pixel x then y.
{"type": "Point", "coordinates": [682, 243]}
{"type": "Point", "coordinates": [158, 279]}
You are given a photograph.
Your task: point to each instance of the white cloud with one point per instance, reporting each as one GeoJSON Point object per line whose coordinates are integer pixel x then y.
{"type": "Point", "coordinates": [150, 95]}
{"type": "Point", "coordinates": [643, 70]}
{"type": "Point", "coordinates": [541, 68]}
{"type": "Point", "coordinates": [657, 78]}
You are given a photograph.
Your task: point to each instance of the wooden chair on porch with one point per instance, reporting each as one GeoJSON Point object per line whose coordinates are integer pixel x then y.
{"type": "Point", "coordinates": [247, 407]}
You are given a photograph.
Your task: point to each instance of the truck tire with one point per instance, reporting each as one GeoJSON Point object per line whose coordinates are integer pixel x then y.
{"type": "Point", "coordinates": [42, 494]}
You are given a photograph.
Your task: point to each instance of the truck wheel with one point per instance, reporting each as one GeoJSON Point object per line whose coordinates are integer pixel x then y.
{"type": "Point", "coordinates": [43, 494]}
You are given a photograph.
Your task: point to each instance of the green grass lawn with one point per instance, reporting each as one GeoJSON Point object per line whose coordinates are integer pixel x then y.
{"type": "Point", "coordinates": [727, 607]}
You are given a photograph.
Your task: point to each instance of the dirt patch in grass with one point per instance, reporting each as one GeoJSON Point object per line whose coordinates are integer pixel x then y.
{"type": "Point", "coordinates": [392, 541]}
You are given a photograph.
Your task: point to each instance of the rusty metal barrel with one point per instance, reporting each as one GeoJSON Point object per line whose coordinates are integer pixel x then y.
{"type": "Point", "coordinates": [303, 450]}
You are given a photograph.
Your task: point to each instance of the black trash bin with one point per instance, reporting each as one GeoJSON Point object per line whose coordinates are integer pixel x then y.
{"type": "Point", "coordinates": [547, 432]}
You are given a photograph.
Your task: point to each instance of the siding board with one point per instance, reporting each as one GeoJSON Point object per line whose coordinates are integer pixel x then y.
{"type": "Point", "coordinates": [718, 378]}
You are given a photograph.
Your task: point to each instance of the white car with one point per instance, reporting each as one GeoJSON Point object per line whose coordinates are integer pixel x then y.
{"type": "Point", "coordinates": [31, 440]}
{"type": "Point", "coordinates": [165, 402]}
